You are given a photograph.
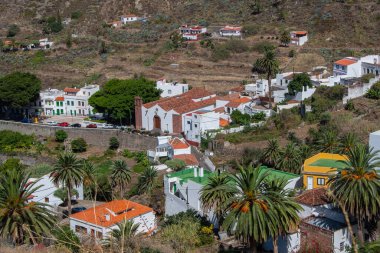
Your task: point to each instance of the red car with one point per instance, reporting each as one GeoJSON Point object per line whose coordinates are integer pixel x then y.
{"type": "Point", "coordinates": [92, 126]}
{"type": "Point", "coordinates": [63, 124]}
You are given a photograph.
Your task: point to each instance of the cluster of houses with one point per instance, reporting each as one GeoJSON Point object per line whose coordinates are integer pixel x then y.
{"type": "Point", "coordinates": [68, 102]}
{"type": "Point", "coordinates": [12, 46]}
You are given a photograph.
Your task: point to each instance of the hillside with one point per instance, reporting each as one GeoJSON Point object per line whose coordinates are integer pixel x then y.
{"type": "Point", "coordinates": [337, 28]}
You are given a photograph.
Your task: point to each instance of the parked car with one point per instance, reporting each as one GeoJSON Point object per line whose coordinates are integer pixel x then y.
{"type": "Point", "coordinates": [92, 126]}
{"type": "Point", "coordinates": [52, 123]}
{"type": "Point", "coordinates": [25, 120]}
{"type": "Point", "coordinates": [108, 126]}
{"type": "Point", "coordinates": [63, 124]}
{"type": "Point", "coordinates": [76, 125]}
{"type": "Point", "coordinates": [78, 209]}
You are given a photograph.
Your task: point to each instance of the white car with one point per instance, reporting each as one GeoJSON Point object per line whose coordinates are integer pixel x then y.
{"type": "Point", "coordinates": [52, 123]}
{"type": "Point", "coordinates": [108, 126]}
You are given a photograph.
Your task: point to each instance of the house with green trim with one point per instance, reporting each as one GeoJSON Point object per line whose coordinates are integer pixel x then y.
{"type": "Point", "coordinates": [294, 180]}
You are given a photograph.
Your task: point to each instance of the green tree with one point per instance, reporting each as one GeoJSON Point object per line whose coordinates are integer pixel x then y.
{"type": "Point", "coordinates": [147, 180]}
{"type": "Point", "coordinates": [117, 97]}
{"type": "Point", "coordinates": [11, 163]}
{"type": "Point", "coordinates": [290, 159]}
{"type": "Point", "coordinates": [357, 186]}
{"type": "Point", "coordinates": [374, 91]}
{"type": "Point", "coordinates": [62, 194]}
{"type": "Point", "coordinates": [114, 143]}
{"type": "Point", "coordinates": [78, 145]}
{"type": "Point", "coordinates": [347, 142]}
{"type": "Point", "coordinates": [69, 39]}
{"type": "Point", "coordinates": [53, 25]}
{"type": "Point", "coordinates": [239, 118]}
{"type": "Point", "coordinates": [250, 214]}
{"type": "Point", "coordinates": [120, 238]}
{"type": "Point", "coordinates": [270, 66]}
{"type": "Point", "coordinates": [285, 210]}
{"type": "Point", "coordinates": [271, 153]}
{"type": "Point", "coordinates": [20, 220]}
{"type": "Point", "coordinates": [120, 176]}
{"type": "Point", "coordinates": [19, 89]}
{"type": "Point", "coordinates": [65, 237]}
{"type": "Point", "coordinates": [176, 40]}
{"type": "Point", "coordinates": [60, 135]}
{"type": "Point", "coordinates": [68, 172]}
{"type": "Point", "coordinates": [13, 30]}
{"type": "Point", "coordinates": [299, 83]}
{"type": "Point", "coordinates": [328, 142]}
{"type": "Point", "coordinates": [176, 164]}
{"type": "Point", "coordinates": [216, 194]}
{"type": "Point", "coordinates": [89, 177]}
{"type": "Point", "coordinates": [285, 38]}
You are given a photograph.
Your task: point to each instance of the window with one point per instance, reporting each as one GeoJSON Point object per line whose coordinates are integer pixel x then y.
{"type": "Point", "coordinates": [80, 111]}
{"type": "Point", "coordinates": [61, 111]}
{"type": "Point", "coordinates": [80, 229]}
{"type": "Point", "coordinates": [196, 136]}
{"type": "Point", "coordinates": [84, 93]}
{"type": "Point", "coordinates": [341, 246]}
{"type": "Point", "coordinates": [72, 103]}
{"type": "Point", "coordinates": [99, 234]}
{"type": "Point", "coordinates": [68, 102]}
{"type": "Point", "coordinates": [78, 103]}
{"type": "Point", "coordinates": [46, 200]}
{"type": "Point", "coordinates": [82, 103]}
{"type": "Point", "coordinates": [320, 181]}
{"type": "Point", "coordinates": [61, 103]}
{"type": "Point", "coordinates": [188, 122]}
{"type": "Point", "coordinates": [169, 91]}
{"type": "Point", "coordinates": [195, 125]}
{"type": "Point", "coordinates": [57, 103]}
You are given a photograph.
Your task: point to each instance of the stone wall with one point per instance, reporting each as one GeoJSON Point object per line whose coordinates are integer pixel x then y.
{"type": "Point", "coordinates": [95, 137]}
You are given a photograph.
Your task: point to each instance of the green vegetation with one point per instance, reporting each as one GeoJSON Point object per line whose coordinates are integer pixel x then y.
{"type": "Point", "coordinates": [66, 238]}
{"type": "Point", "coordinates": [175, 164]}
{"type": "Point", "coordinates": [374, 92]}
{"type": "Point", "coordinates": [76, 15]}
{"type": "Point", "coordinates": [250, 30]}
{"type": "Point", "coordinates": [53, 25]}
{"type": "Point", "coordinates": [114, 143]}
{"type": "Point", "coordinates": [60, 135]}
{"type": "Point", "coordinates": [18, 89]}
{"type": "Point", "coordinates": [120, 176]}
{"type": "Point", "coordinates": [116, 98]}
{"type": "Point", "coordinates": [121, 238]}
{"type": "Point", "coordinates": [147, 180]}
{"type": "Point", "coordinates": [40, 170]}
{"type": "Point", "coordinates": [78, 145]}
{"type": "Point", "coordinates": [236, 46]}
{"type": "Point", "coordinates": [239, 118]}
{"type": "Point", "coordinates": [14, 141]}
{"type": "Point", "coordinates": [285, 38]}
{"type": "Point", "coordinates": [299, 83]}
{"type": "Point", "coordinates": [324, 99]}
{"type": "Point", "coordinates": [13, 30]}
{"type": "Point", "coordinates": [219, 53]}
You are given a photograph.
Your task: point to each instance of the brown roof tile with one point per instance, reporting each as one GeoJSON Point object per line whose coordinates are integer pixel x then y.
{"type": "Point", "coordinates": [314, 197]}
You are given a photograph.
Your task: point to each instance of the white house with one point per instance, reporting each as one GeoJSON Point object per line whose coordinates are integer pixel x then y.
{"type": "Point", "coordinates": [192, 33]}
{"type": "Point", "coordinates": [349, 66]}
{"type": "Point", "coordinates": [99, 221]}
{"type": "Point", "coordinates": [45, 194]}
{"type": "Point", "coordinates": [129, 18]}
{"type": "Point", "coordinates": [374, 142]}
{"type": "Point", "coordinates": [298, 38]}
{"type": "Point", "coordinates": [45, 43]}
{"type": "Point", "coordinates": [371, 64]}
{"type": "Point", "coordinates": [182, 188]}
{"type": "Point", "coordinates": [230, 31]}
{"type": "Point", "coordinates": [170, 89]}
{"type": "Point", "coordinates": [197, 123]}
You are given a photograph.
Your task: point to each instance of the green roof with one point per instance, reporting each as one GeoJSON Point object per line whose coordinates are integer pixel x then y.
{"type": "Point", "coordinates": [330, 163]}
{"type": "Point", "coordinates": [274, 174]}
{"type": "Point", "coordinates": [188, 174]}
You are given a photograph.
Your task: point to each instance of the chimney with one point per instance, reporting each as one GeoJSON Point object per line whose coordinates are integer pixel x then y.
{"type": "Point", "coordinates": [201, 172]}
{"type": "Point", "coordinates": [108, 217]}
{"type": "Point", "coordinates": [195, 172]}
{"type": "Point", "coordinates": [138, 113]}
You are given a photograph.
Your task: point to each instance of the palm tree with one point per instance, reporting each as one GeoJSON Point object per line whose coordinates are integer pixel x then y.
{"type": "Point", "coordinates": [268, 65]}
{"type": "Point", "coordinates": [89, 176]}
{"type": "Point", "coordinates": [147, 180]}
{"type": "Point", "coordinates": [271, 153]}
{"type": "Point", "coordinates": [347, 142]}
{"type": "Point", "coordinates": [250, 216]}
{"type": "Point", "coordinates": [21, 220]}
{"type": "Point", "coordinates": [286, 209]}
{"type": "Point", "coordinates": [328, 142]}
{"type": "Point", "coordinates": [290, 159]}
{"type": "Point", "coordinates": [120, 237]}
{"type": "Point", "coordinates": [67, 171]}
{"type": "Point", "coordinates": [216, 193]}
{"type": "Point", "coordinates": [62, 194]}
{"type": "Point", "coordinates": [357, 186]}
{"type": "Point", "coordinates": [120, 176]}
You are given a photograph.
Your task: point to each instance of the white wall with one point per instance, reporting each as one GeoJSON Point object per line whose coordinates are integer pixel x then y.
{"type": "Point", "coordinates": [359, 90]}
{"type": "Point", "coordinates": [171, 89]}
{"type": "Point", "coordinates": [288, 244]}
{"type": "Point", "coordinates": [342, 235]}
{"type": "Point", "coordinates": [166, 118]}
{"type": "Point", "coordinates": [374, 142]}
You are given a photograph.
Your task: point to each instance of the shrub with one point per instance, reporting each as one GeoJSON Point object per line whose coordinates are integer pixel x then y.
{"type": "Point", "coordinates": [66, 238]}
{"type": "Point", "coordinates": [176, 164]}
{"type": "Point", "coordinates": [325, 98]}
{"type": "Point", "coordinates": [76, 15]}
{"type": "Point", "coordinates": [128, 154]}
{"type": "Point", "coordinates": [239, 118]}
{"type": "Point", "coordinates": [114, 143]}
{"type": "Point", "coordinates": [374, 92]}
{"type": "Point", "coordinates": [365, 78]}
{"type": "Point", "coordinates": [349, 106]}
{"type": "Point", "coordinates": [40, 170]}
{"type": "Point", "coordinates": [263, 46]}
{"type": "Point", "coordinates": [13, 30]}
{"type": "Point", "coordinates": [60, 136]}
{"type": "Point", "coordinates": [249, 30]}
{"type": "Point", "coordinates": [258, 116]}
{"type": "Point", "coordinates": [219, 53]}
{"type": "Point", "coordinates": [78, 145]}
{"type": "Point", "coordinates": [9, 141]}
{"type": "Point", "coordinates": [53, 25]}
{"type": "Point", "coordinates": [292, 53]}
{"type": "Point", "coordinates": [236, 46]}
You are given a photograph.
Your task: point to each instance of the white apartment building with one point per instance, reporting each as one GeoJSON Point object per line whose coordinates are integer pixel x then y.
{"type": "Point", "coordinates": [99, 221]}
{"type": "Point", "coordinates": [197, 123]}
{"type": "Point", "coordinates": [170, 89]}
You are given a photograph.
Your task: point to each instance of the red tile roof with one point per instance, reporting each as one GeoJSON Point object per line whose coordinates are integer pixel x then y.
{"type": "Point", "coordinates": [300, 32]}
{"type": "Point", "coordinates": [231, 28]}
{"type": "Point", "coordinates": [189, 159]}
{"type": "Point", "coordinates": [237, 102]}
{"type": "Point", "coordinates": [59, 99]}
{"type": "Point", "coordinates": [238, 89]}
{"type": "Point", "coordinates": [177, 143]}
{"type": "Point", "coordinates": [345, 62]}
{"type": "Point", "coordinates": [118, 210]}
{"type": "Point", "coordinates": [314, 197]}
{"type": "Point", "coordinates": [219, 109]}
{"type": "Point", "coordinates": [71, 90]}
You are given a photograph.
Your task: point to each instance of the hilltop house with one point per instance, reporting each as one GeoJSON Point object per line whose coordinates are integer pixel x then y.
{"type": "Point", "coordinates": [99, 221]}
{"type": "Point", "coordinates": [170, 89]}
{"type": "Point", "coordinates": [192, 33]}
{"type": "Point", "coordinates": [298, 38]}
{"type": "Point", "coordinates": [230, 31]}
{"type": "Point", "coordinates": [45, 194]}
{"type": "Point", "coordinates": [129, 18]}
{"type": "Point", "coordinates": [45, 43]}
{"type": "Point", "coordinates": [318, 168]}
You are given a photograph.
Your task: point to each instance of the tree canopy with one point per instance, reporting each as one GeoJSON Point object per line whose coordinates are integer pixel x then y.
{"type": "Point", "coordinates": [116, 98]}
{"type": "Point", "coordinates": [299, 82]}
{"type": "Point", "coordinates": [19, 89]}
